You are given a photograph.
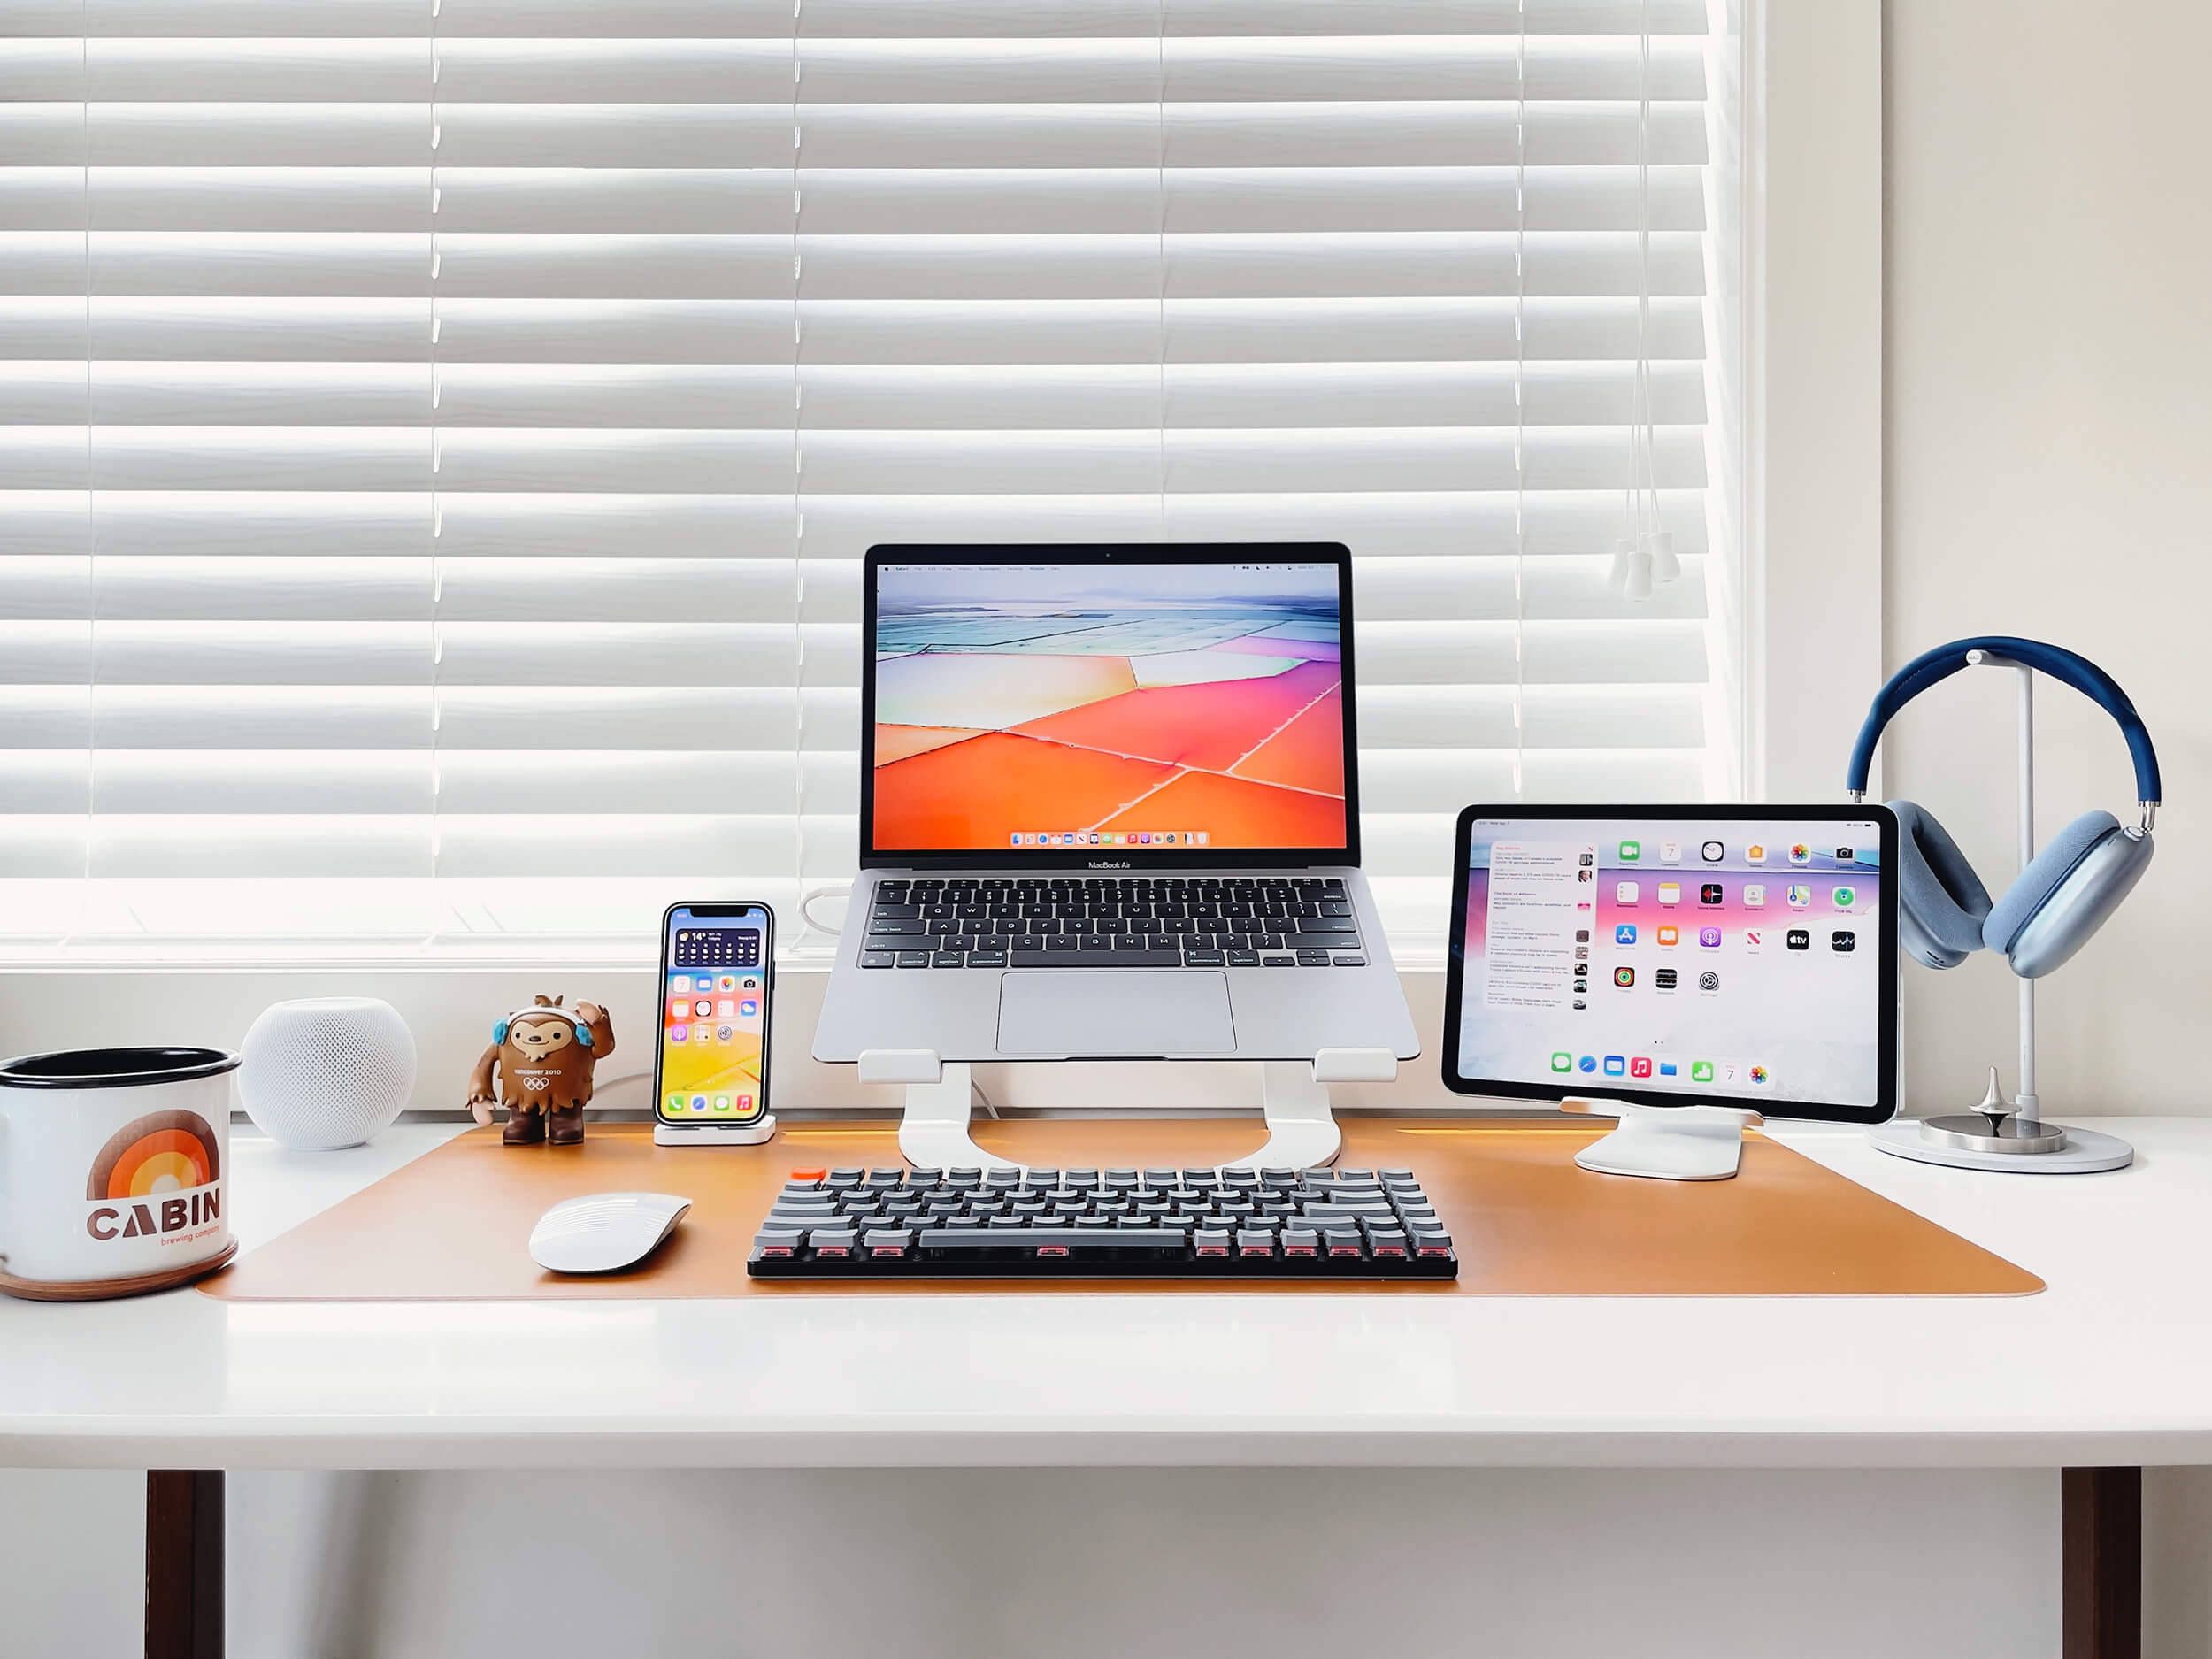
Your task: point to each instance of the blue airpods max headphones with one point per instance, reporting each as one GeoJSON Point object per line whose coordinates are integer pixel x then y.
{"type": "Point", "coordinates": [499, 1031]}
{"type": "Point", "coordinates": [1944, 913]}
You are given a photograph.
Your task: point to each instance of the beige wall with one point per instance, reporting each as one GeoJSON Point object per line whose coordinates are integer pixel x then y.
{"type": "Point", "coordinates": [2048, 471]}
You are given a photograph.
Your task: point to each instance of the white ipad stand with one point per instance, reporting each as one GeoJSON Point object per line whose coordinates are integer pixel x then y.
{"type": "Point", "coordinates": [1301, 1132]}
{"type": "Point", "coordinates": [1667, 1143]}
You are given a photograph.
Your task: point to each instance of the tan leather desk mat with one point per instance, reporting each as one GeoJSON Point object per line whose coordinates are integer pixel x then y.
{"type": "Point", "coordinates": [453, 1224]}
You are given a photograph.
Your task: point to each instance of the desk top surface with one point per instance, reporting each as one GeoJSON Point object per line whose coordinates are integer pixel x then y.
{"type": "Point", "coordinates": [2108, 1365]}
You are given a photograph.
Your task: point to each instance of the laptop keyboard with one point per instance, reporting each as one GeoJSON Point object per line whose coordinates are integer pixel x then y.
{"type": "Point", "coordinates": [1113, 922]}
{"type": "Point", "coordinates": [1229, 1223]}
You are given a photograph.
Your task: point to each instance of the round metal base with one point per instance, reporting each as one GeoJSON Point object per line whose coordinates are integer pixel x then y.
{"type": "Point", "coordinates": [2080, 1151]}
{"type": "Point", "coordinates": [1972, 1132]}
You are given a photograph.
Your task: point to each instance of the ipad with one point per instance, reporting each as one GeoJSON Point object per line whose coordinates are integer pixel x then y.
{"type": "Point", "coordinates": [1670, 955]}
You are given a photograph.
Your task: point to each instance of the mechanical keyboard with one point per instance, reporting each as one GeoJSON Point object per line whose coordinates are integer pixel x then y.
{"type": "Point", "coordinates": [1108, 922]}
{"type": "Point", "coordinates": [1230, 1223]}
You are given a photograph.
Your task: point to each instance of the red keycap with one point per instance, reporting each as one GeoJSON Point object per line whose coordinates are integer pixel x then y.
{"type": "Point", "coordinates": [809, 1175]}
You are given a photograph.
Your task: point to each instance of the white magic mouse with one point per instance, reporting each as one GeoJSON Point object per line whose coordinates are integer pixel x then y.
{"type": "Point", "coordinates": [603, 1233]}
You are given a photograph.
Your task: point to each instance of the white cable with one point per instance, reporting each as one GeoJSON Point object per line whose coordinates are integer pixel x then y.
{"type": "Point", "coordinates": [1520, 402]}
{"type": "Point", "coordinates": [1654, 543]}
{"type": "Point", "coordinates": [1643, 264]}
{"type": "Point", "coordinates": [1159, 152]}
{"type": "Point", "coordinates": [798, 503]}
{"type": "Point", "coordinates": [91, 514]}
{"type": "Point", "coordinates": [981, 1099]}
{"type": "Point", "coordinates": [833, 890]}
{"type": "Point", "coordinates": [437, 509]}
{"type": "Point", "coordinates": [1631, 571]}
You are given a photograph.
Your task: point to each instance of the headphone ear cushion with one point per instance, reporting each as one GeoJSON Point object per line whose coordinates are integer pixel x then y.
{"type": "Point", "coordinates": [1938, 893]}
{"type": "Point", "coordinates": [583, 1034]}
{"type": "Point", "coordinates": [499, 1033]}
{"type": "Point", "coordinates": [2046, 873]}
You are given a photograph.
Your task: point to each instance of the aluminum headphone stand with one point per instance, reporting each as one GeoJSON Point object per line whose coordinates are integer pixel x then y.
{"type": "Point", "coordinates": [2008, 1136]}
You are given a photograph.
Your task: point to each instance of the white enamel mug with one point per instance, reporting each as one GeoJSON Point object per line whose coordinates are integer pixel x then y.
{"type": "Point", "coordinates": [113, 1167]}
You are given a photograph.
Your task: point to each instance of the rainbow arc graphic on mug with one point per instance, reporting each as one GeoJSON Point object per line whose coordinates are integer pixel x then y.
{"type": "Point", "coordinates": [162, 1153]}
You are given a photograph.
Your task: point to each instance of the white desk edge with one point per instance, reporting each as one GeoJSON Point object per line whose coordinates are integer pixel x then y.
{"type": "Point", "coordinates": [2109, 1365]}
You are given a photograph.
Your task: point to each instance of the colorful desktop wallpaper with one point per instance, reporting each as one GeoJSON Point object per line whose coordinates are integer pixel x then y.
{"type": "Point", "coordinates": [1034, 706]}
{"type": "Point", "coordinates": [1723, 957]}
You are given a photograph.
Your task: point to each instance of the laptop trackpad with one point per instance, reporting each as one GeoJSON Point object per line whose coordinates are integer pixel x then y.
{"type": "Point", "coordinates": [1132, 1013]}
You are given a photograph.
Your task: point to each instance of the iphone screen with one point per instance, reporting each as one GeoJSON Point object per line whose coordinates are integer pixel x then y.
{"type": "Point", "coordinates": [713, 1061]}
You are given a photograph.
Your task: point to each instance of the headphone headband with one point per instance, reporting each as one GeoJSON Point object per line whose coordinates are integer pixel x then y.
{"type": "Point", "coordinates": [1931, 667]}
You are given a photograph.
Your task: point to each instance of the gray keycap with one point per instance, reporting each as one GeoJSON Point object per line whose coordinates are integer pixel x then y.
{"type": "Point", "coordinates": [795, 1216]}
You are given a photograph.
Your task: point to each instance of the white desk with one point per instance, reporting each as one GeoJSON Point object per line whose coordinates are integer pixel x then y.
{"type": "Point", "coordinates": [2106, 1368]}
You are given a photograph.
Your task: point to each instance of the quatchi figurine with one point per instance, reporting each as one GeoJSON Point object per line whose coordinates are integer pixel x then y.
{"type": "Point", "coordinates": [544, 1056]}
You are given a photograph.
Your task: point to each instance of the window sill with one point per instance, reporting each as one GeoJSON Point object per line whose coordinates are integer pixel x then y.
{"type": "Point", "coordinates": [1413, 910]}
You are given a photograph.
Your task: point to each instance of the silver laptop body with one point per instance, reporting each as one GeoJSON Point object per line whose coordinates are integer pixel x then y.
{"type": "Point", "coordinates": [1110, 811]}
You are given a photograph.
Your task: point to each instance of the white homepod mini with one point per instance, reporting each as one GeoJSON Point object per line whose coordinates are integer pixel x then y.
{"type": "Point", "coordinates": [326, 1071]}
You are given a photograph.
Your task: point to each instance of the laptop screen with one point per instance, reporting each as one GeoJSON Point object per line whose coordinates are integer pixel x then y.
{"type": "Point", "coordinates": [1108, 705]}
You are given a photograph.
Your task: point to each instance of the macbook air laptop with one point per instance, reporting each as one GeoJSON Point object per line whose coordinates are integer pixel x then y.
{"type": "Point", "coordinates": [1109, 808]}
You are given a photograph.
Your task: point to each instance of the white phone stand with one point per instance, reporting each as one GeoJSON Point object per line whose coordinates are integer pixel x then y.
{"type": "Point", "coordinates": [711, 1134]}
{"type": "Point", "coordinates": [1667, 1143]}
{"type": "Point", "coordinates": [1301, 1132]}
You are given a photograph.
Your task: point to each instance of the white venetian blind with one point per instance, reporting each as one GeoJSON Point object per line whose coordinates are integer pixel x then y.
{"type": "Point", "coordinates": [438, 437]}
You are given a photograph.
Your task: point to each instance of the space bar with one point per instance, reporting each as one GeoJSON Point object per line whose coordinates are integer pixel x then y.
{"type": "Point", "coordinates": [1096, 959]}
{"type": "Point", "coordinates": [1035, 1237]}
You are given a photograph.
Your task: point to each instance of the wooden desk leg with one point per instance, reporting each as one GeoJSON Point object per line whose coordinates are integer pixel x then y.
{"type": "Point", "coordinates": [184, 1563]}
{"type": "Point", "coordinates": [2102, 1539]}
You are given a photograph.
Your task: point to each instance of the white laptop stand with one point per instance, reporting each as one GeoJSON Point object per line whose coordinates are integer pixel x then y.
{"type": "Point", "coordinates": [1301, 1132]}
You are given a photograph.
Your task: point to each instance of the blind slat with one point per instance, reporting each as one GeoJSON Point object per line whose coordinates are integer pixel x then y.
{"type": "Point", "coordinates": [1233, 134]}
{"type": "Point", "coordinates": [839, 19]}
{"type": "Point", "coordinates": [843, 202]}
